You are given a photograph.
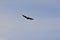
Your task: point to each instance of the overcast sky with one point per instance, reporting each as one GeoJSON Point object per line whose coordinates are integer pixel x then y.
{"type": "Point", "coordinates": [46, 25]}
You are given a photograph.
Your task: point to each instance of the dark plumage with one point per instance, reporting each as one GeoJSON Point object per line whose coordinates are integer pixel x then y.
{"type": "Point", "coordinates": [27, 17]}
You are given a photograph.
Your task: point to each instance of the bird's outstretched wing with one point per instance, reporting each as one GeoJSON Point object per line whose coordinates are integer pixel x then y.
{"type": "Point", "coordinates": [27, 17]}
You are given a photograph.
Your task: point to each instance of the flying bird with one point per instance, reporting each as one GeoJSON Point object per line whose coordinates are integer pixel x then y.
{"type": "Point", "coordinates": [27, 17]}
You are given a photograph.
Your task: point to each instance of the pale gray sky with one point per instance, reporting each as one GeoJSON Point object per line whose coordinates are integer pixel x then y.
{"type": "Point", "coordinates": [46, 25]}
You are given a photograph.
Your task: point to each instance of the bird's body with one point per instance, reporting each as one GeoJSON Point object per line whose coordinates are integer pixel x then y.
{"type": "Point", "coordinates": [27, 17]}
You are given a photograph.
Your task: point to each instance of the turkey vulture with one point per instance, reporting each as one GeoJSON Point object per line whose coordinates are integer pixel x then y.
{"type": "Point", "coordinates": [27, 17]}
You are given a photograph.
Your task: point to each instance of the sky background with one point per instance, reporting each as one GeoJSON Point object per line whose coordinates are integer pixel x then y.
{"type": "Point", "coordinates": [46, 25]}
